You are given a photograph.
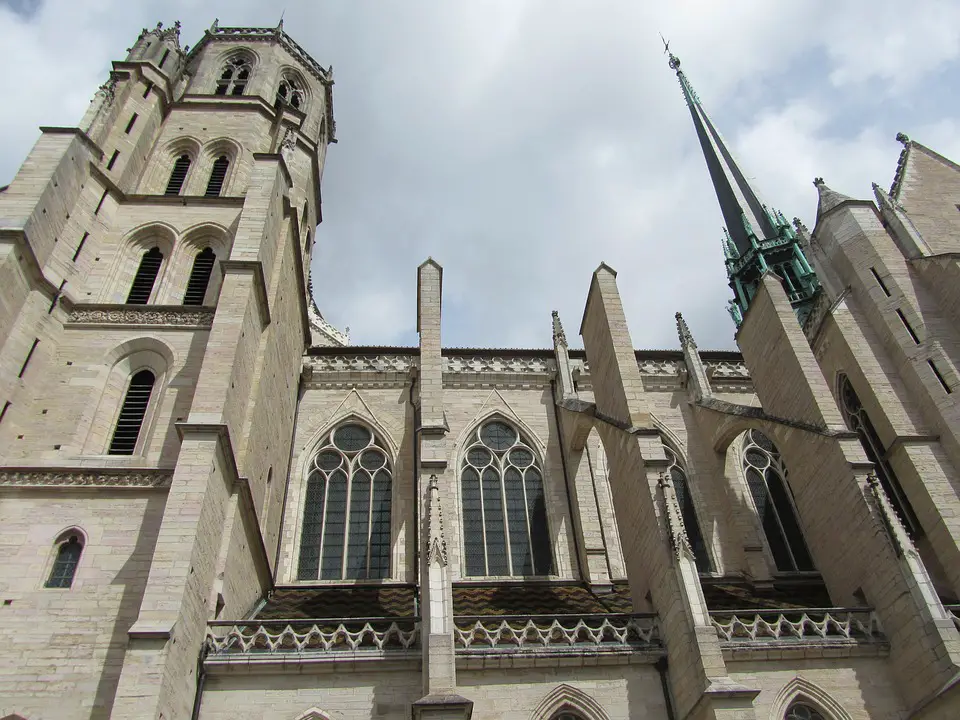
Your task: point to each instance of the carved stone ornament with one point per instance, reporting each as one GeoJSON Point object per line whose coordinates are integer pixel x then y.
{"type": "Point", "coordinates": [72, 477]}
{"type": "Point", "coordinates": [438, 542]}
{"type": "Point", "coordinates": [678, 533]}
{"type": "Point", "coordinates": [898, 535]}
{"type": "Point", "coordinates": [362, 363]}
{"type": "Point", "coordinates": [666, 368]}
{"type": "Point", "coordinates": [559, 336]}
{"type": "Point", "coordinates": [172, 315]}
{"type": "Point", "coordinates": [289, 141]}
{"type": "Point", "coordinates": [727, 371]}
{"type": "Point", "coordinates": [496, 364]}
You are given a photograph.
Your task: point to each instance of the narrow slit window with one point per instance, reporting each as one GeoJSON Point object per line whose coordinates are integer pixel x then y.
{"type": "Point", "coordinates": [940, 378]}
{"type": "Point", "coordinates": [217, 176]}
{"type": "Point", "coordinates": [166, 54]}
{"type": "Point", "coordinates": [199, 277]}
{"type": "Point", "coordinates": [147, 89]}
{"type": "Point", "coordinates": [65, 565]}
{"type": "Point", "coordinates": [906, 324]}
{"type": "Point", "coordinates": [100, 204]}
{"type": "Point", "coordinates": [146, 276]}
{"type": "Point", "coordinates": [133, 119]}
{"type": "Point", "coordinates": [132, 413]}
{"type": "Point", "coordinates": [76, 253]}
{"type": "Point", "coordinates": [26, 360]}
{"type": "Point", "coordinates": [3, 413]}
{"type": "Point", "coordinates": [113, 159]}
{"type": "Point", "coordinates": [178, 175]}
{"type": "Point", "coordinates": [880, 282]}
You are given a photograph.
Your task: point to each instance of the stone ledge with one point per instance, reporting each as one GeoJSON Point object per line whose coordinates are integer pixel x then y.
{"type": "Point", "coordinates": [154, 316]}
{"type": "Point", "coordinates": [134, 478]}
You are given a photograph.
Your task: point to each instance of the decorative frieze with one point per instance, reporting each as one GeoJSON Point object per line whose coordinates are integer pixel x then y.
{"type": "Point", "coordinates": [815, 625]}
{"type": "Point", "coordinates": [496, 364]}
{"type": "Point", "coordinates": [180, 316]}
{"type": "Point", "coordinates": [544, 632]}
{"type": "Point", "coordinates": [361, 363]}
{"type": "Point", "coordinates": [79, 477]}
{"type": "Point", "coordinates": [309, 637]}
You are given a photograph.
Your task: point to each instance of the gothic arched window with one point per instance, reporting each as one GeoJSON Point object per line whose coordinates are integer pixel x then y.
{"type": "Point", "coordinates": [685, 500]}
{"type": "Point", "coordinates": [146, 276]}
{"type": "Point", "coordinates": [566, 716]}
{"type": "Point", "coordinates": [178, 175]}
{"type": "Point", "coordinates": [234, 77]}
{"type": "Point", "coordinates": [346, 519]}
{"type": "Point", "coordinates": [802, 711]}
{"type": "Point", "coordinates": [290, 92]}
{"type": "Point", "coordinates": [132, 413]}
{"type": "Point", "coordinates": [65, 564]}
{"type": "Point", "coordinates": [767, 479]}
{"type": "Point", "coordinates": [504, 509]}
{"type": "Point", "coordinates": [199, 277]}
{"type": "Point", "coordinates": [218, 174]}
{"type": "Point", "coordinates": [857, 420]}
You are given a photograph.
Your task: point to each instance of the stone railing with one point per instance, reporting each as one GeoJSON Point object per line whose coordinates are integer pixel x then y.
{"type": "Point", "coordinates": [518, 633]}
{"type": "Point", "coordinates": [816, 624]}
{"type": "Point", "coordinates": [323, 635]}
{"type": "Point", "coordinates": [954, 612]}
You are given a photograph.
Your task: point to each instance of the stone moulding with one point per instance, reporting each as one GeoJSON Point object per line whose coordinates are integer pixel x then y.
{"type": "Point", "coordinates": [310, 637]}
{"type": "Point", "coordinates": [538, 633]}
{"type": "Point", "coordinates": [497, 364]}
{"type": "Point", "coordinates": [361, 363]}
{"type": "Point", "coordinates": [179, 316]}
{"type": "Point", "coordinates": [136, 478]}
{"type": "Point", "coordinates": [811, 624]}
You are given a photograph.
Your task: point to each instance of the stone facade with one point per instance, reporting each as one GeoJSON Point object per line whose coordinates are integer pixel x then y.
{"type": "Point", "coordinates": [293, 527]}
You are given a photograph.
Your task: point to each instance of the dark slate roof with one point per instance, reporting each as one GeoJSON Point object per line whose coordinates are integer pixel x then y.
{"type": "Point", "coordinates": [731, 594]}
{"type": "Point", "coordinates": [368, 601]}
{"type": "Point", "coordinates": [538, 599]}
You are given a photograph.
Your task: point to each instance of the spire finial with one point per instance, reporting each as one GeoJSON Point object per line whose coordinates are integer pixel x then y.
{"type": "Point", "coordinates": [559, 336]}
{"type": "Point", "coordinates": [686, 337]}
{"type": "Point", "coordinates": [673, 61]}
{"type": "Point", "coordinates": [902, 138]}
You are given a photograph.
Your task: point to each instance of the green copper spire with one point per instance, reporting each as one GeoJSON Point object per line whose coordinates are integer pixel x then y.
{"type": "Point", "coordinates": [756, 238]}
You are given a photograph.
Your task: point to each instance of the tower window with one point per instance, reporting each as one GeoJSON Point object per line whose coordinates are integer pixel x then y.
{"type": "Point", "coordinates": [145, 278]}
{"type": "Point", "coordinates": [180, 169]}
{"type": "Point", "coordinates": [346, 522]}
{"type": "Point", "coordinates": [290, 92]}
{"type": "Point", "coordinates": [880, 282]}
{"type": "Point", "coordinates": [910, 330]}
{"type": "Point", "coordinates": [199, 277]}
{"type": "Point", "coordinates": [166, 54]}
{"type": "Point", "coordinates": [767, 480]}
{"type": "Point", "coordinates": [690, 523]}
{"type": "Point", "coordinates": [26, 360]}
{"type": "Point", "coordinates": [234, 77]}
{"type": "Point", "coordinates": [113, 159]}
{"type": "Point", "coordinates": [217, 176]}
{"type": "Point", "coordinates": [147, 89]}
{"type": "Point", "coordinates": [940, 378]}
{"type": "Point", "coordinates": [504, 509]}
{"type": "Point", "coordinates": [133, 119]}
{"type": "Point", "coordinates": [76, 252]}
{"type": "Point", "coordinates": [132, 412]}
{"type": "Point", "coordinates": [65, 564]}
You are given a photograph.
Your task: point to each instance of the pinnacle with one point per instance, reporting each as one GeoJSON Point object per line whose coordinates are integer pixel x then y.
{"type": "Point", "coordinates": [559, 336]}
{"type": "Point", "coordinates": [683, 331]}
{"type": "Point", "coordinates": [829, 199]}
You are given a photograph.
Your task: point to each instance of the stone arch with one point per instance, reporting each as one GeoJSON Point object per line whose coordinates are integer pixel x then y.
{"type": "Point", "coordinates": [803, 690]}
{"type": "Point", "coordinates": [155, 179]}
{"type": "Point", "coordinates": [231, 54]}
{"type": "Point", "coordinates": [571, 699]}
{"type": "Point", "coordinates": [213, 149]}
{"type": "Point", "coordinates": [53, 551]}
{"type": "Point", "coordinates": [314, 713]}
{"type": "Point", "coordinates": [290, 73]}
{"type": "Point", "coordinates": [128, 254]}
{"type": "Point", "coordinates": [192, 241]}
{"type": "Point", "coordinates": [506, 414]}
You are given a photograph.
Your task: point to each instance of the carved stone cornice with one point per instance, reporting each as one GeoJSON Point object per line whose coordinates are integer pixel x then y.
{"type": "Point", "coordinates": [136, 478]}
{"type": "Point", "coordinates": [178, 316]}
{"type": "Point", "coordinates": [360, 363]}
{"type": "Point", "coordinates": [497, 364]}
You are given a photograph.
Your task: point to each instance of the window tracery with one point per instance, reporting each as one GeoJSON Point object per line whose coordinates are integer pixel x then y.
{"type": "Point", "coordinates": [234, 76]}
{"type": "Point", "coordinates": [803, 711]}
{"type": "Point", "coordinates": [290, 92]}
{"type": "Point", "coordinates": [65, 565]}
{"type": "Point", "coordinates": [346, 521]}
{"type": "Point", "coordinates": [504, 508]}
{"type": "Point", "coordinates": [767, 480]}
{"type": "Point", "coordinates": [691, 524]}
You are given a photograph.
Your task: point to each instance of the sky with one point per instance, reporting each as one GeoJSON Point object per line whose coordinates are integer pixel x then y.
{"type": "Point", "coordinates": [522, 142]}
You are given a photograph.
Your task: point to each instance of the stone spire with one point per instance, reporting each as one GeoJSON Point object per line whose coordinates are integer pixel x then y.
{"type": "Point", "coordinates": [829, 199]}
{"type": "Point", "coordinates": [697, 380]}
{"type": "Point", "coordinates": [559, 336]}
{"type": "Point", "coordinates": [757, 237]}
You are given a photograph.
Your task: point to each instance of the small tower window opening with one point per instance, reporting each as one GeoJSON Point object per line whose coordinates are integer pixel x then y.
{"type": "Point", "coordinates": [65, 564]}
{"type": "Point", "coordinates": [132, 413]}
{"type": "Point", "coordinates": [767, 480]}
{"type": "Point", "coordinates": [346, 521]}
{"type": "Point", "coordinates": [133, 119]}
{"type": "Point", "coordinates": [802, 711]}
{"type": "Point", "coordinates": [177, 176]}
{"type": "Point", "coordinates": [290, 93]}
{"type": "Point", "coordinates": [858, 421]}
{"type": "Point", "coordinates": [504, 509]}
{"type": "Point", "coordinates": [217, 176]}
{"type": "Point", "coordinates": [166, 54]}
{"type": "Point", "coordinates": [234, 77]}
{"type": "Point", "coordinates": [940, 378]}
{"type": "Point", "coordinates": [113, 159]}
{"type": "Point", "coordinates": [199, 277]}
{"type": "Point", "coordinates": [687, 510]}
{"type": "Point", "coordinates": [146, 276]}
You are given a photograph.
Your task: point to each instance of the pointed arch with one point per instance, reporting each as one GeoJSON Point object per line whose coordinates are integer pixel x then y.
{"type": "Point", "coordinates": [799, 689]}
{"type": "Point", "coordinates": [67, 551]}
{"type": "Point", "coordinates": [314, 713]}
{"type": "Point", "coordinates": [566, 698]}
{"type": "Point", "coordinates": [680, 477]}
{"type": "Point", "coordinates": [504, 412]}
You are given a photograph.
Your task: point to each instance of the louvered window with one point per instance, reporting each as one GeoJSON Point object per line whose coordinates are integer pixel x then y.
{"type": "Point", "coordinates": [859, 422]}
{"type": "Point", "coordinates": [65, 565]}
{"type": "Point", "coordinates": [145, 278]}
{"type": "Point", "coordinates": [767, 479]}
{"type": "Point", "coordinates": [689, 513]}
{"type": "Point", "coordinates": [217, 175]}
{"type": "Point", "coordinates": [132, 412]}
{"type": "Point", "coordinates": [199, 277]}
{"type": "Point", "coordinates": [179, 174]}
{"type": "Point", "coordinates": [504, 509]}
{"type": "Point", "coordinates": [346, 521]}
{"type": "Point", "coordinates": [233, 79]}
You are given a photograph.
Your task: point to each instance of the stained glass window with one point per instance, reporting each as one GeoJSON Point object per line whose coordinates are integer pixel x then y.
{"type": "Point", "coordinates": [767, 480]}
{"type": "Point", "coordinates": [802, 711]}
{"type": "Point", "coordinates": [857, 420]}
{"type": "Point", "coordinates": [504, 508]}
{"type": "Point", "coordinates": [346, 519]}
{"type": "Point", "coordinates": [685, 500]}
{"type": "Point", "coordinates": [65, 565]}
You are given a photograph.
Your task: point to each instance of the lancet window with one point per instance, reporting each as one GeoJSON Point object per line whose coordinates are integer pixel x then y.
{"type": "Point", "coordinates": [858, 421]}
{"type": "Point", "coordinates": [290, 92]}
{"type": "Point", "coordinates": [681, 487]}
{"type": "Point", "coordinates": [234, 77]}
{"type": "Point", "coordinates": [199, 277]}
{"type": "Point", "coordinates": [178, 175]}
{"type": "Point", "coordinates": [802, 711]}
{"type": "Point", "coordinates": [504, 509]}
{"type": "Point", "coordinates": [218, 175]}
{"type": "Point", "coordinates": [65, 564]}
{"type": "Point", "coordinates": [132, 413]}
{"type": "Point", "coordinates": [346, 520]}
{"type": "Point", "coordinates": [767, 479]}
{"type": "Point", "coordinates": [146, 276]}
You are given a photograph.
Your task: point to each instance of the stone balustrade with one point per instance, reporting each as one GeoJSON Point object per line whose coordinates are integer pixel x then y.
{"type": "Point", "coordinates": [518, 633]}
{"type": "Point", "coordinates": [807, 624]}
{"type": "Point", "coordinates": [324, 635]}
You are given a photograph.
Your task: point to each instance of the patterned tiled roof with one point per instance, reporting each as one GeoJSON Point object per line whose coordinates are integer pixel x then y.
{"type": "Point", "coordinates": [732, 595]}
{"type": "Point", "coordinates": [300, 603]}
{"type": "Point", "coordinates": [538, 599]}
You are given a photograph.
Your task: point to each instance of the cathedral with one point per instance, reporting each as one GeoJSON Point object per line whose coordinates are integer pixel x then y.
{"type": "Point", "coordinates": [214, 507]}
